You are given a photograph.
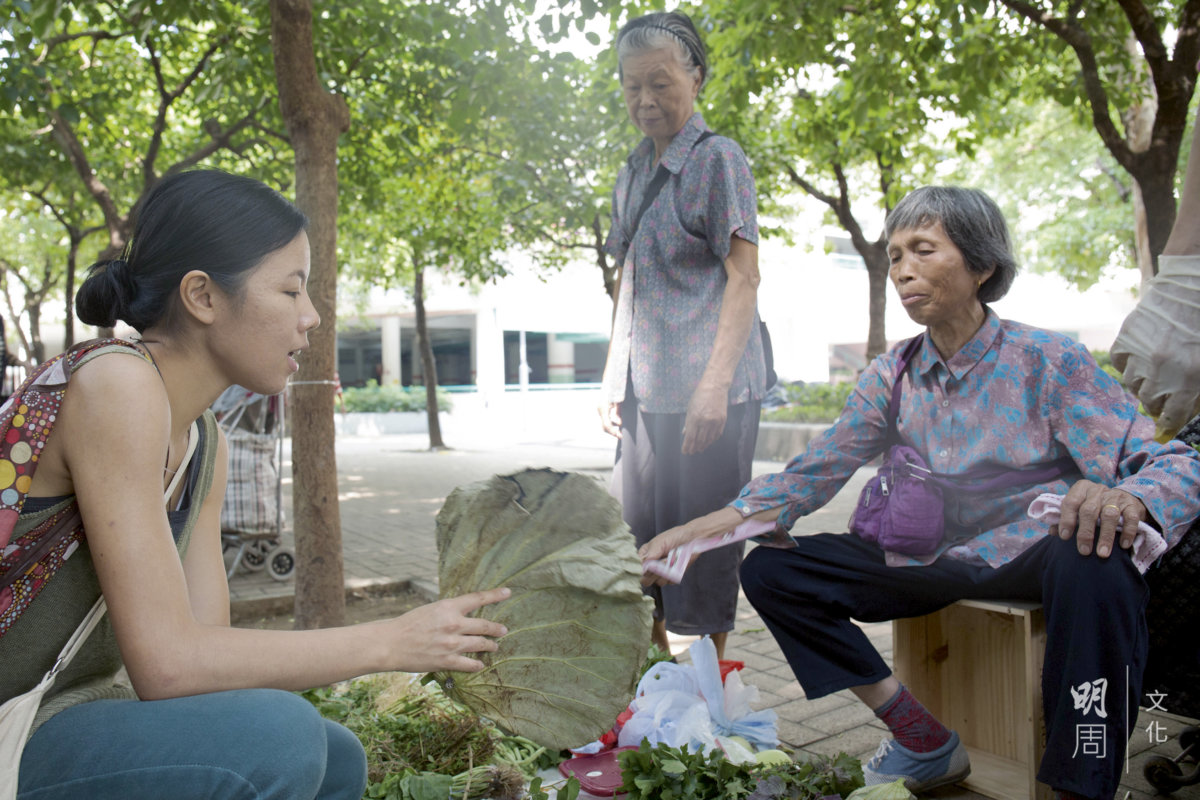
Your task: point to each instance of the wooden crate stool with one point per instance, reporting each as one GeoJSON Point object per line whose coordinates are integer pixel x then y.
{"type": "Point", "coordinates": [977, 665]}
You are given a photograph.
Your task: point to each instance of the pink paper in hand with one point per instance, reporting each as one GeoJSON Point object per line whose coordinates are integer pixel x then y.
{"type": "Point", "coordinates": [673, 565]}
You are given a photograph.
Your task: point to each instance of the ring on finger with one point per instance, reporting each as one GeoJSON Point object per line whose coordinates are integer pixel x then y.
{"type": "Point", "coordinates": [1111, 505]}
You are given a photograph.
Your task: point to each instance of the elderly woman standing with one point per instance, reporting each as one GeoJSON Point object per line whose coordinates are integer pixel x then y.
{"type": "Point", "coordinates": [978, 390]}
{"type": "Point", "coordinates": [685, 373]}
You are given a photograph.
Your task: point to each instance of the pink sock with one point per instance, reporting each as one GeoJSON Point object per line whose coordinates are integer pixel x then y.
{"type": "Point", "coordinates": [911, 723]}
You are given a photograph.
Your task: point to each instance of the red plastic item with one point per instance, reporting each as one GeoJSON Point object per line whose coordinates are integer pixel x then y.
{"type": "Point", "coordinates": [599, 774]}
{"type": "Point", "coordinates": [729, 666]}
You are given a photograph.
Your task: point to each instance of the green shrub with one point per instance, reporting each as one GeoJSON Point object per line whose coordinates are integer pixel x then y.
{"type": "Point", "coordinates": [812, 402]}
{"type": "Point", "coordinates": [376, 398]}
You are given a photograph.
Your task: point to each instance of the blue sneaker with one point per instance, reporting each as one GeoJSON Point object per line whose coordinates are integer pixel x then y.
{"type": "Point", "coordinates": [920, 771]}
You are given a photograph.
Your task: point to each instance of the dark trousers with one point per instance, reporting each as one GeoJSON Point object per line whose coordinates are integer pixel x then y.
{"type": "Point", "coordinates": [1096, 638]}
{"type": "Point", "coordinates": [659, 488]}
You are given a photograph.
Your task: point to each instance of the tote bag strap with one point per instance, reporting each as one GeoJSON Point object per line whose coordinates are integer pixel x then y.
{"type": "Point", "coordinates": [71, 648]}
{"type": "Point", "coordinates": [181, 470]}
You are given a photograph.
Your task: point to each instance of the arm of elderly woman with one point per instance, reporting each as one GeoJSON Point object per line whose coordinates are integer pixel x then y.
{"type": "Point", "coordinates": [709, 405]}
{"type": "Point", "coordinates": [610, 413]}
{"type": "Point", "coordinates": [712, 524]}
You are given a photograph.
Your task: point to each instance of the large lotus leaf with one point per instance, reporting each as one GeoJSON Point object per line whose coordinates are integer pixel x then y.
{"type": "Point", "coordinates": [578, 623]}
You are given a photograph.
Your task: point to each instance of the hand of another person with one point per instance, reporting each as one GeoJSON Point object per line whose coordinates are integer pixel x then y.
{"type": "Point", "coordinates": [610, 419]}
{"type": "Point", "coordinates": [665, 542]}
{"type": "Point", "coordinates": [1090, 512]}
{"type": "Point", "coordinates": [712, 524]}
{"type": "Point", "coordinates": [437, 635]}
{"type": "Point", "coordinates": [1158, 348]}
{"type": "Point", "coordinates": [705, 420]}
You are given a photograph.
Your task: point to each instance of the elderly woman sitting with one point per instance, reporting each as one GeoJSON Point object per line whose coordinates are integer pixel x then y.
{"type": "Point", "coordinates": [977, 392]}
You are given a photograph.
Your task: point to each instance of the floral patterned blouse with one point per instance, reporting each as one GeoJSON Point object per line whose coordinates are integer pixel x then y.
{"type": "Point", "coordinates": [1015, 396]}
{"type": "Point", "coordinates": [673, 275]}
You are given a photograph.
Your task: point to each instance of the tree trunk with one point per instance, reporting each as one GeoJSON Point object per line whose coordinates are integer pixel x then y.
{"type": "Point", "coordinates": [1138, 120]}
{"type": "Point", "coordinates": [37, 348]}
{"type": "Point", "coordinates": [878, 264]}
{"type": "Point", "coordinates": [69, 325]}
{"type": "Point", "coordinates": [608, 272]}
{"type": "Point", "coordinates": [1156, 186]}
{"type": "Point", "coordinates": [875, 257]}
{"type": "Point", "coordinates": [315, 119]}
{"type": "Point", "coordinates": [874, 254]}
{"type": "Point", "coordinates": [428, 364]}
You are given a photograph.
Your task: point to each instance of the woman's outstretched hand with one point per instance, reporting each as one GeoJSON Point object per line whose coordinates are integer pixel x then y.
{"type": "Point", "coordinates": [712, 524]}
{"type": "Point", "coordinates": [438, 636]}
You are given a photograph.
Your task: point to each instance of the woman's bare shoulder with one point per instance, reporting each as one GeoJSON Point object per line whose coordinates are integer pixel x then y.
{"type": "Point", "coordinates": [114, 381]}
{"type": "Point", "coordinates": [115, 406]}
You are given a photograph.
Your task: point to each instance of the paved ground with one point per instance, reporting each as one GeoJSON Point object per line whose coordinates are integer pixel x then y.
{"type": "Point", "coordinates": [391, 489]}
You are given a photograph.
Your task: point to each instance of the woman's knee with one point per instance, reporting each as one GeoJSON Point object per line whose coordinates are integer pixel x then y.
{"type": "Point", "coordinates": [288, 750]}
{"type": "Point", "coordinates": [260, 743]}
{"type": "Point", "coordinates": [345, 765]}
{"type": "Point", "coordinates": [760, 574]}
{"type": "Point", "coordinates": [1105, 579]}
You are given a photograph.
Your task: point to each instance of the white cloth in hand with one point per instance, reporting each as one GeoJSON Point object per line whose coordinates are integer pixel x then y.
{"type": "Point", "coordinates": [1148, 544]}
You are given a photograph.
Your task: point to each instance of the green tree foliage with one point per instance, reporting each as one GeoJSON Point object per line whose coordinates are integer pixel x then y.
{"type": "Point", "coordinates": [29, 271]}
{"type": "Point", "coordinates": [852, 104]}
{"type": "Point", "coordinates": [120, 94]}
{"type": "Point", "coordinates": [1131, 68]}
{"type": "Point", "coordinates": [1070, 205]}
{"type": "Point", "coordinates": [496, 151]}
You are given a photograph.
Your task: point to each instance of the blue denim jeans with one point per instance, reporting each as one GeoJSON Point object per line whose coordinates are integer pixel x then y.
{"type": "Point", "coordinates": [253, 744]}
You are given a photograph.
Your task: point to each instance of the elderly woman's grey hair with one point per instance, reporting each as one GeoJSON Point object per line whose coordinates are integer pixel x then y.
{"type": "Point", "coordinates": [664, 29]}
{"type": "Point", "coordinates": [971, 220]}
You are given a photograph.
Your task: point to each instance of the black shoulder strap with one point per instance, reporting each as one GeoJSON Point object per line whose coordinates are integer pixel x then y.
{"type": "Point", "coordinates": [657, 183]}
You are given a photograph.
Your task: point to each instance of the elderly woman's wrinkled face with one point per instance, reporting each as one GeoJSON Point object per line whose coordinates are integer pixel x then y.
{"type": "Point", "coordinates": [931, 276]}
{"type": "Point", "coordinates": [660, 95]}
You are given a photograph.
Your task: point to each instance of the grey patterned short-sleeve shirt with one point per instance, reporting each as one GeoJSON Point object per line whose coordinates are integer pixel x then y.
{"type": "Point", "coordinates": [673, 275]}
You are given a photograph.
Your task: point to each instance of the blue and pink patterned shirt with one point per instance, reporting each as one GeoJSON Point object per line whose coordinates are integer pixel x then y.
{"type": "Point", "coordinates": [673, 270]}
{"type": "Point", "coordinates": [1016, 396]}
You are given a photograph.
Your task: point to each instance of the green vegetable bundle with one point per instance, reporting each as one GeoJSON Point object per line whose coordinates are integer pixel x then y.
{"type": "Point", "coordinates": [421, 745]}
{"type": "Point", "coordinates": [660, 772]}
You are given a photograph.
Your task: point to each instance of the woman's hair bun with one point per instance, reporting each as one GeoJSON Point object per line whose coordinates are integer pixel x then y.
{"type": "Point", "coordinates": [105, 295]}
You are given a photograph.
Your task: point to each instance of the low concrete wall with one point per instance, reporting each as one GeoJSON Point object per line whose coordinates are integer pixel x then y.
{"type": "Point", "coordinates": [364, 423]}
{"type": "Point", "coordinates": [546, 416]}
{"type": "Point", "coordinates": [781, 441]}
{"type": "Point", "coordinates": [512, 416]}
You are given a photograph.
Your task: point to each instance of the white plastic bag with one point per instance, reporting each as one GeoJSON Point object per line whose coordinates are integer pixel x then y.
{"type": "Point", "coordinates": [686, 704]}
{"type": "Point", "coordinates": [729, 703]}
{"type": "Point", "coordinates": [669, 717]}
